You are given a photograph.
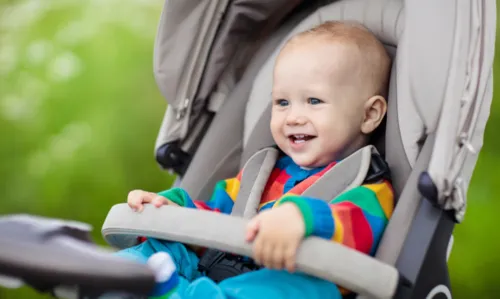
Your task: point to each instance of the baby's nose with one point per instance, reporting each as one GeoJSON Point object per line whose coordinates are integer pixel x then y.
{"type": "Point", "coordinates": [295, 120]}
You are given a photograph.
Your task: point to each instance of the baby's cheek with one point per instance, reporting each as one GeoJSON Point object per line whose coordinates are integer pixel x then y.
{"type": "Point", "coordinates": [332, 145]}
{"type": "Point", "coordinates": [282, 143]}
{"type": "Point", "coordinates": [275, 129]}
{"type": "Point", "coordinates": [342, 129]}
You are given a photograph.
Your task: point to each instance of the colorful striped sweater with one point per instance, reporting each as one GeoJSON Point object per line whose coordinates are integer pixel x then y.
{"type": "Point", "coordinates": [356, 218]}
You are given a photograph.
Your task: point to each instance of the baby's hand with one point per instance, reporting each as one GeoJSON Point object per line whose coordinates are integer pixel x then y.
{"type": "Point", "coordinates": [137, 198]}
{"type": "Point", "coordinates": [277, 234]}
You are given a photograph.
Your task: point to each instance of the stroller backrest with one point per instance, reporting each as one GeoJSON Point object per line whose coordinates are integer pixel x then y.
{"type": "Point", "coordinates": [440, 86]}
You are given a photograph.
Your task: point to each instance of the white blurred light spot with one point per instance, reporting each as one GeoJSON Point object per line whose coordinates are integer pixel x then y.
{"type": "Point", "coordinates": [64, 67]}
{"type": "Point", "coordinates": [22, 14]}
{"type": "Point", "coordinates": [38, 52]}
{"type": "Point", "coordinates": [14, 107]}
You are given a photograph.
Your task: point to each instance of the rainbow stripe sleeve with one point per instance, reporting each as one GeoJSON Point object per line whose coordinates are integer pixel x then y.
{"type": "Point", "coordinates": [356, 218]}
{"type": "Point", "coordinates": [222, 199]}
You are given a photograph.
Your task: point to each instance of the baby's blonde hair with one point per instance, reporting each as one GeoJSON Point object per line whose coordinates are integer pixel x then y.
{"type": "Point", "coordinates": [375, 58]}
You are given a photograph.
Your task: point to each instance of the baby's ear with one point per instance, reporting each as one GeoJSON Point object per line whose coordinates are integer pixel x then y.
{"type": "Point", "coordinates": [374, 110]}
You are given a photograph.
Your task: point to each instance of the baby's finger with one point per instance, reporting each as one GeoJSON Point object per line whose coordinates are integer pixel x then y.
{"type": "Point", "coordinates": [132, 205]}
{"type": "Point", "coordinates": [159, 201]}
{"type": "Point", "coordinates": [289, 258]}
{"type": "Point", "coordinates": [132, 199]}
{"type": "Point", "coordinates": [278, 257]}
{"type": "Point", "coordinates": [267, 255]}
{"type": "Point", "coordinates": [148, 197]}
{"type": "Point", "coordinates": [139, 208]}
{"type": "Point", "coordinates": [136, 205]}
{"type": "Point", "coordinates": [252, 229]}
{"type": "Point", "coordinates": [136, 198]}
{"type": "Point", "coordinates": [257, 251]}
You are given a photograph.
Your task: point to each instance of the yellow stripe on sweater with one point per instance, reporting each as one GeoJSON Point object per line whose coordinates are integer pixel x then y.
{"type": "Point", "coordinates": [384, 195]}
{"type": "Point", "coordinates": [232, 188]}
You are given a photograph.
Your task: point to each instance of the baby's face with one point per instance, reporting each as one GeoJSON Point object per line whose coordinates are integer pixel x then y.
{"type": "Point", "coordinates": [317, 108]}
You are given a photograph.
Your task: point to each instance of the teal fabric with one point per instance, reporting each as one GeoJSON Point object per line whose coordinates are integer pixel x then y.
{"type": "Point", "coordinates": [262, 284]}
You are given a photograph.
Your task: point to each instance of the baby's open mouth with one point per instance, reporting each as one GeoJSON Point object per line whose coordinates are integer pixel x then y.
{"type": "Point", "coordinates": [300, 138]}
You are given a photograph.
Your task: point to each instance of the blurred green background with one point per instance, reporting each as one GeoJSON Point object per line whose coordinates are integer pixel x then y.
{"type": "Point", "coordinates": [80, 110]}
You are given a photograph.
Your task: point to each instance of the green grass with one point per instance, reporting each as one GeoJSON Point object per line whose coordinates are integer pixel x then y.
{"type": "Point", "coordinates": [79, 113]}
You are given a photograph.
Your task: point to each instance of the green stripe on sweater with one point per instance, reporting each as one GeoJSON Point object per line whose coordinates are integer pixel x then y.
{"type": "Point", "coordinates": [176, 195]}
{"type": "Point", "coordinates": [364, 198]}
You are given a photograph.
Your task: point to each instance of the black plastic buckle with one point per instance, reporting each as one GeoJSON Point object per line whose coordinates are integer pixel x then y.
{"type": "Point", "coordinates": [171, 156]}
{"type": "Point", "coordinates": [379, 170]}
{"type": "Point", "coordinates": [218, 265]}
{"type": "Point", "coordinates": [209, 259]}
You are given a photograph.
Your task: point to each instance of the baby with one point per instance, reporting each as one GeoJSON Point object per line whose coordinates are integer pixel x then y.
{"type": "Point", "coordinates": [328, 97]}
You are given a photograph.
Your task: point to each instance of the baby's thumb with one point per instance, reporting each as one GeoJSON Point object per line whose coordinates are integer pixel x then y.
{"type": "Point", "coordinates": [252, 229]}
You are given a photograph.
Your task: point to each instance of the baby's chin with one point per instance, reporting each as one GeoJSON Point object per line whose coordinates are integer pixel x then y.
{"type": "Point", "coordinates": [309, 162]}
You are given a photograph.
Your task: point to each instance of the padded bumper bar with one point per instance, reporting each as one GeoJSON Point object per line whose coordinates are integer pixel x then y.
{"type": "Point", "coordinates": [334, 262]}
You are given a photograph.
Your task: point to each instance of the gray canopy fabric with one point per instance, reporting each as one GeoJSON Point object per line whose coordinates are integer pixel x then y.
{"type": "Point", "coordinates": [466, 93]}
{"type": "Point", "coordinates": [201, 50]}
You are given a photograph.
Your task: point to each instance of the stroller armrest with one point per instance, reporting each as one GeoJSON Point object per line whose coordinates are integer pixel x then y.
{"type": "Point", "coordinates": [328, 260]}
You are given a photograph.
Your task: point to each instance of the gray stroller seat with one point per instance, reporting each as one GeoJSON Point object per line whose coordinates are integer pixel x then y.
{"type": "Point", "coordinates": [440, 94]}
{"type": "Point", "coordinates": [217, 118]}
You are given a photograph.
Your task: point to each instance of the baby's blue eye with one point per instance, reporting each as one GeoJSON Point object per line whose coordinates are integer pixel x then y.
{"type": "Point", "coordinates": [282, 102]}
{"type": "Point", "coordinates": [314, 101]}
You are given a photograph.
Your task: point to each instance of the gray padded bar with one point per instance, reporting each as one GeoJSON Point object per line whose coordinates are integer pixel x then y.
{"type": "Point", "coordinates": [324, 259]}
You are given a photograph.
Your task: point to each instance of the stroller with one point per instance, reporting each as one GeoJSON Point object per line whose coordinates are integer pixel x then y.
{"type": "Point", "coordinates": [213, 63]}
